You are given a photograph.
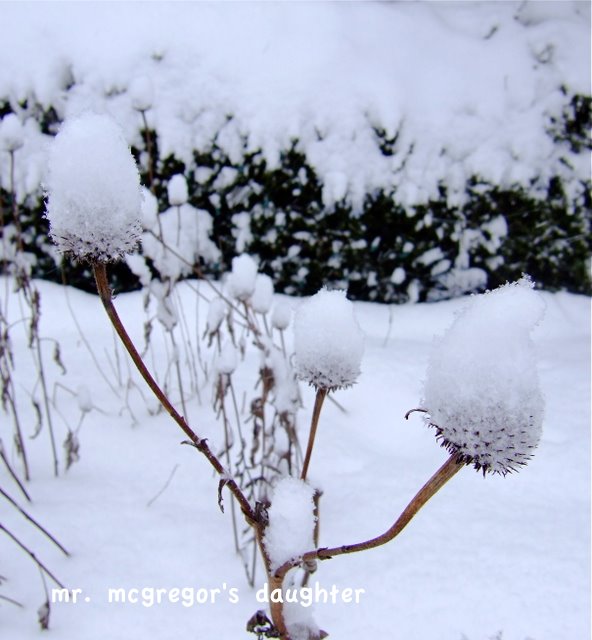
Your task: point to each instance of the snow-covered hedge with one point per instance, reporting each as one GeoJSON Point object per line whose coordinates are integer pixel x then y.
{"type": "Point", "coordinates": [437, 149]}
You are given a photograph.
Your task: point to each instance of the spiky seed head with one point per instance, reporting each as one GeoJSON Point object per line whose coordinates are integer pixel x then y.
{"type": "Point", "coordinates": [93, 191]}
{"type": "Point", "coordinates": [482, 392]}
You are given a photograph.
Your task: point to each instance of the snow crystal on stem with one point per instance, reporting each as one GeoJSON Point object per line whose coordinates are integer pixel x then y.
{"type": "Point", "coordinates": [291, 522]}
{"type": "Point", "coordinates": [482, 392]}
{"type": "Point", "coordinates": [93, 190]}
{"type": "Point", "coordinates": [328, 341]}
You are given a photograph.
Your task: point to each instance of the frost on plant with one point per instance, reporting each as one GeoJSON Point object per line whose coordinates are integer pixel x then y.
{"type": "Point", "coordinates": [482, 391]}
{"type": "Point", "coordinates": [93, 190]}
{"type": "Point", "coordinates": [328, 341]}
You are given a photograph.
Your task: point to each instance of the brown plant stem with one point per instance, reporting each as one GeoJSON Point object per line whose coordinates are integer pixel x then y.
{"type": "Point", "coordinates": [13, 473]}
{"type": "Point", "coordinates": [316, 412]}
{"type": "Point", "coordinates": [100, 273]}
{"type": "Point", "coordinates": [429, 489]}
{"type": "Point", "coordinates": [41, 566]}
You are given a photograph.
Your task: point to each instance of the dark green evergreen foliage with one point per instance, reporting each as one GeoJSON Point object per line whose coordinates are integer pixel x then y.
{"type": "Point", "coordinates": [386, 252]}
{"type": "Point", "coordinates": [5, 108]}
{"type": "Point", "coordinates": [546, 238]}
{"type": "Point", "coordinates": [575, 126]}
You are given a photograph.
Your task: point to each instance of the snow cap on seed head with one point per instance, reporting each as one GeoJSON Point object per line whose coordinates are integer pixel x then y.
{"type": "Point", "coordinates": [141, 93]}
{"type": "Point", "coordinates": [243, 276]}
{"type": "Point", "coordinates": [93, 190]}
{"type": "Point", "coordinates": [281, 315]}
{"type": "Point", "coordinates": [482, 392]}
{"type": "Point", "coordinates": [177, 190]}
{"type": "Point", "coordinates": [328, 341]}
{"type": "Point", "coordinates": [263, 294]}
{"type": "Point", "coordinates": [12, 135]}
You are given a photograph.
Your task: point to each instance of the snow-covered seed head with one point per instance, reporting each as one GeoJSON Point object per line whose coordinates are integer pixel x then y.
{"type": "Point", "coordinates": [93, 191]}
{"type": "Point", "coordinates": [227, 359]}
{"type": "Point", "coordinates": [328, 341]}
{"type": "Point", "coordinates": [242, 278]}
{"type": "Point", "coordinates": [12, 136]}
{"type": "Point", "coordinates": [217, 311]}
{"type": "Point", "coordinates": [263, 294]}
{"type": "Point", "coordinates": [281, 315]}
{"type": "Point", "coordinates": [177, 190]}
{"type": "Point", "coordinates": [482, 392]}
{"type": "Point", "coordinates": [141, 93]}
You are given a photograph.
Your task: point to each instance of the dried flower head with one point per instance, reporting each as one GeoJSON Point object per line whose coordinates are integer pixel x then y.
{"type": "Point", "coordinates": [328, 341]}
{"type": "Point", "coordinates": [93, 191]}
{"type": "Point", "coordinates": [482, 393]}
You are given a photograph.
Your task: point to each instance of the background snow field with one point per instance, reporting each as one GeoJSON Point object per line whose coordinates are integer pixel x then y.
{"type": "Point", "coordinates": [485, 555]}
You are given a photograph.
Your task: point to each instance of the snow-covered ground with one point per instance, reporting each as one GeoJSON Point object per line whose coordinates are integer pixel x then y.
{"type": "Point", "coordinates": [491, 555]}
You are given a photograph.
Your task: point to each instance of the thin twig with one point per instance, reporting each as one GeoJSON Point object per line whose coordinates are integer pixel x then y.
{"type": "Point", "coordinates": [100, 272]}
{"type": "Point", "coordinates": [432, 486]}
{"type": "Point", "coordinates": [12, 473]}
{"type": "Point", "coordinates": [166, 484]}
{"type": "Point", "coordinates": [33, 521]}
{"type": "Point", "coordinates": [31, 555]}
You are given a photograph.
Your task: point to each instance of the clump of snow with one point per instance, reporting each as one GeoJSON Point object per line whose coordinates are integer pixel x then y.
{"type": "Point", "coordinates": [217, 311]}
{"type": "Point", "coordinates": [286, 395]}
{"type": "Point", "coordinates": [300, 622]}
{"type": "Point", "coordinates": [242, 278]}
{"type": "Point", "coordinates": [139, 268]}
{"type": "Point", "coordinates": [242, 230]}
{"type": "Point", "coordinates": [482, 390]}
{"type": "Point", "coordinates": [149, 209]}
{"type": "Point", "coordinates": [281, 315]}
{"type": "Point", "coordinates": [263, 295]}
{"type": "Point", "coordinates": [93, 190]}
{"type": "Point", "coordinates": [177, 190]}
{"type": "Point", "coordinates": [291, 521]}
{"type": "Point", "coordinates": [227, 359]}
{"type": "Point", "coordinates": [398, 276]}
{"type": "Point", "coordinates": [166, 311]}
{"type": "Point", "coordinates": [328, 341]}
{"type": "Point", "coordinates": [12, 135]}
{"type": "Point", "coordinates": [141, 93]}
